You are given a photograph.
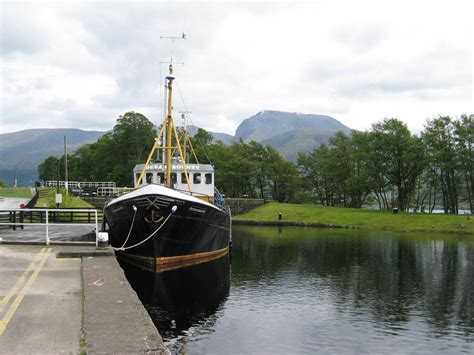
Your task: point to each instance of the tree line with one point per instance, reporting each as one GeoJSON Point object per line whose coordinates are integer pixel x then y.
{"type": "Point", "coordinates": [394, 168]}
{"type": "Point", "coordinates": [386, 165]}
{"type": "Point", "coordinates": [111, 158]}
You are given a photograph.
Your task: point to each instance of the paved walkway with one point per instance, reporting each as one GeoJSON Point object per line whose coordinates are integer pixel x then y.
{"type": "Point", "coordinates": [70, 305]}
{"type": "Point", "coordinates": [37, 234]}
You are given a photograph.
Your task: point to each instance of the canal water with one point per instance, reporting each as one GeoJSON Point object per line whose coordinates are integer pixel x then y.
{"type": "Point", "coordinates": [303, 291]}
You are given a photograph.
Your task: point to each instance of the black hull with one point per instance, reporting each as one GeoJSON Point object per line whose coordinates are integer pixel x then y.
{"type": "Point", "coordinates": [195, 231]}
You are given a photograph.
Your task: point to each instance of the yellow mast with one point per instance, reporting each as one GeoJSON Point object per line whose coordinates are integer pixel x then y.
{"type": "Point", "coordinates": [170, 130]}
{"type": "Point", "coordinates": [185, 137]}
{"type": "Point", "coordinates": [169, 122]}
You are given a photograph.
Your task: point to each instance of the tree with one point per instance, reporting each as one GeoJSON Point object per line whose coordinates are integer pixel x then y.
{"type": "Point", "coordinates": [317, 170]}
{"type": "Point", "coordinates": [201, 142]}
{"type": "Point", "coordinates": [2, 184]}
{"type": "Point", "coordinates": [463, 139]}
{"type": "Point", "coordinates": [285, 180]}
{"type": "Point", "coordinates": [358, 185]}
{"type": "Point", "coordinates": [398, 157]}
{"type": "Point", "coordinates": [439, 140]}
{"type": "Point", "coordinates": [49, 169]}
{"type": "Point", "coordinates": [112, 157]}
{"type": "Point", "coordinates": [337, 173]}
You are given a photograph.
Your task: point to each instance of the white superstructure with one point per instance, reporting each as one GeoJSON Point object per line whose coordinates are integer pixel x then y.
{"type": "Point", "coordinates": [201, 177]}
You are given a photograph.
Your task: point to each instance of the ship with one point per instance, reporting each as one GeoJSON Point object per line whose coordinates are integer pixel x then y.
{"type": "Point", "coordinates": [175, 217]}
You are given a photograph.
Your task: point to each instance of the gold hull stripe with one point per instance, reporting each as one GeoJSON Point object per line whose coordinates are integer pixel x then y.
{"type": "Point", "coordinates": [172, 262]}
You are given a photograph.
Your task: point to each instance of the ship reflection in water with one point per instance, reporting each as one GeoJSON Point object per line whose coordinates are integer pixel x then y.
{"type": "Point", "coordinates": [183, 302]}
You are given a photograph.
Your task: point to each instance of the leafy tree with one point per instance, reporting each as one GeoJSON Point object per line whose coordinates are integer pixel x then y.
{"type": "Point", "coordinates": [286, 182]}
{"type": "Point", "coordinates": [398, 157]}
{"type": "Point", "coordinates": [358, 185]}
{"type": "Point", "coordinates": [463, 139]}
{"type": "Point", "coordinates": [201, 142]}
{"type": "Point", "coordinates": [2, 183]}
{"type": "Point", "coordinates": [439, 140]}
{"type": "Point", "coordinates": [318, 174]}
{"type": "Point", "coordinates": [247, 169]}
{"type": "Point", "coordinates": [338, 173]}
{"type": "Point", "coordinates": [49, 169]}
{"type": "Point", "coordinates": [112, 157]}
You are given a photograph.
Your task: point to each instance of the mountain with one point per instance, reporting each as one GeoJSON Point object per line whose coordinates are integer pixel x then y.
{"type": "Point", "coordinates": [289, 144]}
{"type": "Point", "coordinates": [266, 124]}
{"type": "Point", "coordinates": [289, 133]}
{"type": "Point", "coordinates": [24, 150]}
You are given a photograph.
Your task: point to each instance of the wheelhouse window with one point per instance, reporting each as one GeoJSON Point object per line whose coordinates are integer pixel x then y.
{"type": "Point", "coordinates": [208, 178]}
{"type": "Point", "coordinates": [183, 178]}
{"type": "Point", "coordinates": [197, 178]}
{"type": "Point", "coordinates": [161, 178]}
{"type": "Point", "coordinates": [149, 178]}
{"type": "Point", "coordinates": [174, 178]}
{"type": "Point", "coordinates": [137, 176]}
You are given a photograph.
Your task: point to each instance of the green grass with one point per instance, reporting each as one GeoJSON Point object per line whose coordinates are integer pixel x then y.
{"type": "Point", "coordinates": [18, 192]}
{"type": "Point", "coordinates": [361, 218]}
{"type": "Point", "coordinates": [69, 201]}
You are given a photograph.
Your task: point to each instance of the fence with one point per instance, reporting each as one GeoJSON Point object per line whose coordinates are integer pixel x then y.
{"type": "Point", "coordinates": [112, 191]}
{"type": "Point", "coordinates": [79, 184]}
{"type": "Point", "coordinates": [19, 217]}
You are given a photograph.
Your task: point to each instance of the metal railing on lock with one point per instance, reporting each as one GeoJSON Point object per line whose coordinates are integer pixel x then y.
{"type": "Point", "coordinates": [20, 217]}
{"type": "Point", "coordinates": [112, 191]}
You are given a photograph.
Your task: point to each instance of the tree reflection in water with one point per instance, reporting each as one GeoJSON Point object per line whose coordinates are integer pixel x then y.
{"type": "Point", "coordinates": [306, 290]}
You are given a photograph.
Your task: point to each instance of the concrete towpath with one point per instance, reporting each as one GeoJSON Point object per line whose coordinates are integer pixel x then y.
{"type": "Point", "coordinates": [71, 300]}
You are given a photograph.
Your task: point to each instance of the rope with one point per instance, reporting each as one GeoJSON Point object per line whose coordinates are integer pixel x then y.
{"type": "Point", "coordinates": [130, 231]}
{"type": "Point", "coordinates": [122, 248]}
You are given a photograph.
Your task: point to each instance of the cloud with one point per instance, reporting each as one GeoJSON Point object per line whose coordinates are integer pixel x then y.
{"type": "Point", "coordinates": [82, 64]}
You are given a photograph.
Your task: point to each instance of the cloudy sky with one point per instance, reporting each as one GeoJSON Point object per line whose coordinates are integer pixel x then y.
{"type": "Point", "coordinates": [82, 64]}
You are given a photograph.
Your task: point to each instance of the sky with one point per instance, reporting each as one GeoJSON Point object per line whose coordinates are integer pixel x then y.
{"type": "Point", "coordinates": [82, 64]}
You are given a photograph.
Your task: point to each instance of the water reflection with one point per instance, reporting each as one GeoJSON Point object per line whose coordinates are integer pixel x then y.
{"type": "Point", "coordinates": [182, 300]}
{"type": "Point", "coordinates": [304, 290]}
{"type": "Point", "coordinates": [376, 290]}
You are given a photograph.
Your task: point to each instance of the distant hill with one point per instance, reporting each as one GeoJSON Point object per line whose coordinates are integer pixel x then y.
{"type": "Point", "coordinates": [266, 124]}
{"type": "Point", "coordinates": [224, 137]}
{"type": "Point", "coordinates": [289, 144]}
{"type": "Point", "coordinates": [24, 150]}
{"type": "Point", "coordinates": [288, 132]}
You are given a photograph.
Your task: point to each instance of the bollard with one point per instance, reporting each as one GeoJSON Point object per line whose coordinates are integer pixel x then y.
{"type": "Point", "coordinates": [280, 216]}
{"type": "Point", "coordinates": [102, 239]}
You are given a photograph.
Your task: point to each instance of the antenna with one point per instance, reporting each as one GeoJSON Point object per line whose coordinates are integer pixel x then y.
{"type": "Point", "coordinates": [183, 117]}
{"type": "Point", "coordinates": [173, 38]}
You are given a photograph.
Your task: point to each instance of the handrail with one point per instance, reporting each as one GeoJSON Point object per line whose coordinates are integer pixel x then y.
{"type": "Point", "coordinates": [47, 222]}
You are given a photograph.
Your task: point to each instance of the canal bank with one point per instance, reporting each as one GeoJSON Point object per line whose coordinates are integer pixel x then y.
{"type": "Point", "coordinates": [70, 299]}
{"type": "Point", "coordinates": [309, 215]}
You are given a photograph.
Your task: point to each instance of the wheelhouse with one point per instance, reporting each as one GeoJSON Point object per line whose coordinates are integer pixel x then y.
{"type": "Point", "coordinates": [201, 177]}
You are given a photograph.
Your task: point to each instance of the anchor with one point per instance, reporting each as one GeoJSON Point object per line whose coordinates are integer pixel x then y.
{"type": "Point", "coordinates": [153, 217]}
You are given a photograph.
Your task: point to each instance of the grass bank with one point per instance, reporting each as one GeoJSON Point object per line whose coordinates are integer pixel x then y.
{"type": "Point", "coordinates": [47, 200]}
{"type": "Point", "coordinates": [16, 192]}
{"type": "Point", "coordinates": [359, 218]}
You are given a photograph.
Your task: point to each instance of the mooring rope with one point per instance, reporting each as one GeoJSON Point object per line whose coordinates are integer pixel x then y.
{"type": "Point", "coordinates": [135, 209]}
{"type": "Point", "coordinates": [123, 248]}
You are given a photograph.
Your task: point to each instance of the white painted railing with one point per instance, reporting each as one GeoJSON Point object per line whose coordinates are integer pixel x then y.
{"type": "Point", "coordinates": [21, 212]}
{"type": "Point", "coordinates": [112, 191]}
{"type": "Point", "coordinates": [79, 184]}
